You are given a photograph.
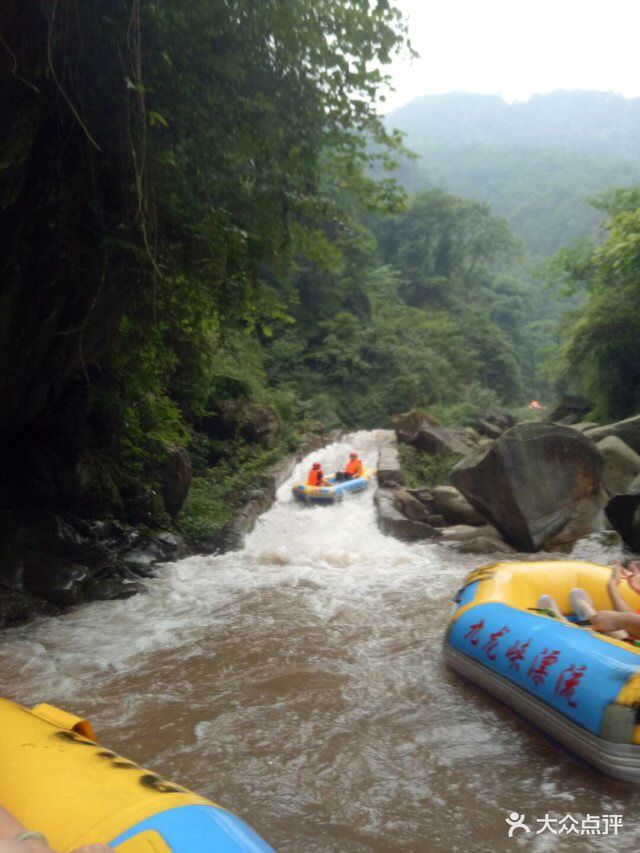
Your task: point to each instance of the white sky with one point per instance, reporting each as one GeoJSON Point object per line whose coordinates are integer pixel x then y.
{"type": "Point", "coordinates": [516, 48]}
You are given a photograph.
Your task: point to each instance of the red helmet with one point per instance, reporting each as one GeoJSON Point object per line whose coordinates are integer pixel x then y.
{"type": "Point", "coordinates": [353, 455]}
{"type": "Point", "coordinates": [316, 466]}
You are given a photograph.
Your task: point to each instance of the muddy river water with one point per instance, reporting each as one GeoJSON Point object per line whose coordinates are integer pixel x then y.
{"type": "Point", "coordinates": [300, 683]}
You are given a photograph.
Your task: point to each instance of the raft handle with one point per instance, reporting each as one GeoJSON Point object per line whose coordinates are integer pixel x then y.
{"type": "Point", "coordinates": [64, 720]}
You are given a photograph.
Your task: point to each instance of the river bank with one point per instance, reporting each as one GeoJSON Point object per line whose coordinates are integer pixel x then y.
{"type": "Point", "coordinates": [50, 561]}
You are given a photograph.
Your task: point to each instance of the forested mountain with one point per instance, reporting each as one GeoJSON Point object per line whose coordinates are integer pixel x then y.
{"type": "Point", "coordinates": [536, 163]}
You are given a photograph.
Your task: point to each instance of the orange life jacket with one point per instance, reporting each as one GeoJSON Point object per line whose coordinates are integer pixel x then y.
{"type": "Point", "coordinates": [354, 467]}
{"type": "Point", "coordinates": [315, 477]}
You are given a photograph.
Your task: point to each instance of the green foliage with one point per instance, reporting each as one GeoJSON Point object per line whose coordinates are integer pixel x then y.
{"type": "Point", "coordinates": [474, 399]}
{"type": "Point", "coordinates": [424, 471]}
{"type": "Point", "coordinates": [434, 318]}
{"type": "Point", "coordinates": [216, 493]}
{"type": "Point", "coordinates": [599, 354]}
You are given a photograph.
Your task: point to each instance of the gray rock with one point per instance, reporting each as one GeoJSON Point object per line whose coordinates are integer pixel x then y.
{"type": "Point", "coordinates": [621, 464]}
{"type": "Point", "coordinates": [389, 470]}
{"type": "Point", "coordinates": [49, 562]}
{"type": "Point", "coordinates": [485, 545]}
{"type": "Point", "coordinates": [539, 484]}
{"type": "Point", "coordinates": [627, 431]}
{"type": "Point", "coordinates": [434, 440]}
{"type": "Point", "coordinates": [393, 523]}
{"type": "Point", "coordinates": [409, 506]}
{"type": "Point", "coordinates": [455, 508]}
{"type": "Point", "coordinates": [492, 424]}
{"type": "Point", "coordinates": [585, 426]}
{"type": "Point", "coordinates": [462, 532]}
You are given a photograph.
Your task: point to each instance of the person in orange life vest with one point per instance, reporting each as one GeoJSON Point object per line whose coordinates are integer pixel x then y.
{"type": "Point", "coordinates": [353, 468]}
{"type": "Point", "coordinates": [315, 476]}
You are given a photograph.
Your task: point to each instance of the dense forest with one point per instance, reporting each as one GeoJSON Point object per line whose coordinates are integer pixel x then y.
{"type": "Point", "coordinates": [206, 256]}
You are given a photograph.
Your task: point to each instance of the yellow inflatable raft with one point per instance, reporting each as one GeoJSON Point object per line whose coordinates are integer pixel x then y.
{"type": "Point", "coordinates": [57, 780]}
{"type": "Point", "coordinates": [581, 687]}
{"type": "Point", "coordinates": [335, 491]}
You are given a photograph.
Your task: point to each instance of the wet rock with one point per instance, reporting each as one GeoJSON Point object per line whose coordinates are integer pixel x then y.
{"type": "Point", "coordinates": [17, 607]}
{"type": "Point", "coordinates": [392, 522]}
{"type": "Point", "coordinates": [538, 484]}
{"type": "Point", "coordinates": [49, 562]}
{"type": "Point", "coordinates": [50, 534]}
{"type": "Point", "coordinates": [627, 431]}
{"type": "Point", "coordinates": [409, 506]}
{"type": "Point", "coordinates": [621, 464]}
{"type": "Point", "coordinates": [144, 549]}
{"type": "Point", "coordinates": [389, 470]}
{"type": "Point", "coordinates": [41, 576]}
{"type": "Point", "coordinates": [485, 545]}
{"type": "Point", "coordinates": [455, 508]}
{"type": "Point", "coordinates": [463, 532]}
{"type": "Point", "coordinates": [569, 410]}
{"type": "Point", "coordinates": [176, 479]}
{"type": "Point", "coordinates": [116, 588]}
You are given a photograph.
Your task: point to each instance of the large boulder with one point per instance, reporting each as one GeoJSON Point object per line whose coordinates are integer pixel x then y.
{"type": "Point", "coordinates": [569, 410]}
{"type": "Point", "coordinates": [627, 431]}
{"type": "Point", "coordinates": [539, 484]}
{"type": "Point", "coordinates": [454, 508]}
{"type": "Point", "coordinates": [621, 464]}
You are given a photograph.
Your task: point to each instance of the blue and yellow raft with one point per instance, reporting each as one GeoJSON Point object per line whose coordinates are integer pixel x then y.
{"type": "Point", "coordinates": [335, 492]}
{"type": "Point", "coordinates": [57, 780]}
{"type": "Point", "coordinates": [581, 687]}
